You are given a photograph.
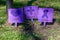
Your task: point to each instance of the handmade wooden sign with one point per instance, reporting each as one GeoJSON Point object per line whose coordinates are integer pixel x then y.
{"type": "Point", "coordinates": [45, 15]}
{"type": "Point", "coordinates": [15, 15]}
{"type": "Point", "coordinates": [31, 12]}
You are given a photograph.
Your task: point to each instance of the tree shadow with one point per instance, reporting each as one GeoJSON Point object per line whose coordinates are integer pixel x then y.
{"type": "Point", "coordinates": [29, 28]}
{"type": "Point", "coordinates": [18, 5]}
{"type": "Point", "coordinates": [30, 2]}
{"type": "Point", "coordinates": [2, 2]}
{"type": "Point", "coordinates": [15, 5]}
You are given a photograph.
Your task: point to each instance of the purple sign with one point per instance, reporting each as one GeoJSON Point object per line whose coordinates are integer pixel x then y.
{"type": "Point", "coordinates": [15, 15]}
{"type": "Point", "coordinates": [45, 14]}
{"type": "Point", "coordinates": [31, 12]}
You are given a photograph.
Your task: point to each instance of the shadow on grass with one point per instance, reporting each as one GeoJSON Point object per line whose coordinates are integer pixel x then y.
{"type": "Point", "coordinates": [2, 2]}
{"type": "Point", "coordinates": [30, 2]}
{"type": "Point", "coordinates": [18, 5]}
{"type": "Point", "coordinates": [29, 27]}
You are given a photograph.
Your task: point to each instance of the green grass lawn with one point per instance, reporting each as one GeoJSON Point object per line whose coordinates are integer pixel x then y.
{"type": "Point", "coordinates": [3, 15]}
{"type": "Point", "coordinates": [9, 33]}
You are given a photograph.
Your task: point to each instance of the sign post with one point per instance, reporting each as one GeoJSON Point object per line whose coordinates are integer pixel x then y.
{"type": "Point", "coordinates": [15, 24]}
{"type": "Point", "coordinates": [44, 24]}
{"type": "Point", "coordinates": [45, 15]}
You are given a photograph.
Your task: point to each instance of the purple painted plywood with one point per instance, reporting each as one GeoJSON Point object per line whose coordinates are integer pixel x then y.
{"type": "Point", "coordinates": [45, 14]}
{"type": "Point", "coordinates": [31, 12]}
{"type": "Point", "coordinates": [15, 15]}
